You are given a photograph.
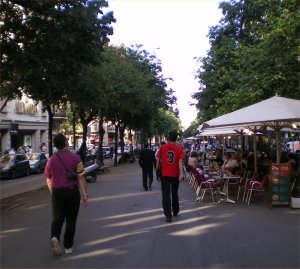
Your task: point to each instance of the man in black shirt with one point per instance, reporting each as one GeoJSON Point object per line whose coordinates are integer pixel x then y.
{"type": "Point", "coordinates": [147, 162]}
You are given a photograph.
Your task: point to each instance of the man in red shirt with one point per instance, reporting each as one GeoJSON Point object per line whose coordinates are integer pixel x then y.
{"type": "Point", "coordinates": [171, 158]}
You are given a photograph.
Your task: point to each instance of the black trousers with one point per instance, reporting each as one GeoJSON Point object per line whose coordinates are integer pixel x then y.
{"type": "Point", "coordinates": [170, 202]}
{"type": "Point", "coordinates": [65, 207]}
{"type": "Point", "coordinates": [147, 173]}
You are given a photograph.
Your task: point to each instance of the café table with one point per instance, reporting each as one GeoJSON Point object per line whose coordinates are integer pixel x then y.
{"type": "Point", "coordinates": [226, 179]}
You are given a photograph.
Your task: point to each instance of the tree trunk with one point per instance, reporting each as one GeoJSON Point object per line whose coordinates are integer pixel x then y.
{"type": "Point", "coordinates": [74, 129]}
{"type": "Point", "coordinates": [82, 149]}
{"type": "Point", "coordinates": [50, 126]}
{"type": "Point", "coordinates": [121, 132]}
{"type": "Point", "coordinates": [101, 135]}
{"type": "Point", "coordinates": [116, 146]}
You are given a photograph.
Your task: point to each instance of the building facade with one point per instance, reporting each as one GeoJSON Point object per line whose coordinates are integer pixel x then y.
{"type": "Point", "coordinates": [23, 123]}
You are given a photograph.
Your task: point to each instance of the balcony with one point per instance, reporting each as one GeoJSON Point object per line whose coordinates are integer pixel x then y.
{"type": "Point", "coordinates": [59, 114]}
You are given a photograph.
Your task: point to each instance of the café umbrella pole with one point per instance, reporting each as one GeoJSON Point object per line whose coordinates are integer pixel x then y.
{"type": "Point", "coordinates": [277, 130]}
{"type": "Point", "coordinates": [255, 149]}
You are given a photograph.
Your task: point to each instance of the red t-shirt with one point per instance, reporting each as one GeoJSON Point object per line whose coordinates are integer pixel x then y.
{"type": "Point", "coordinates": [170, 156]}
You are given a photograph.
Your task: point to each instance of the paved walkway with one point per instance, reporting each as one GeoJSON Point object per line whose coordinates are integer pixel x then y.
{"type": "Point", "coordinates": [123, 227]}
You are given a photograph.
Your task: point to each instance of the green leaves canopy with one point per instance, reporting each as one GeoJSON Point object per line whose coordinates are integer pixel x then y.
{"type": "Point", "coordinates": [253, 56]}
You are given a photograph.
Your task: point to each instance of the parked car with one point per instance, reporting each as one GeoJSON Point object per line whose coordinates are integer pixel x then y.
{"type": "Point", "coordinates": [126, 150]}
{"type": "Point", "coordinates": [37, 162]}
{"type": "Point", "coordinates": [14, 165]}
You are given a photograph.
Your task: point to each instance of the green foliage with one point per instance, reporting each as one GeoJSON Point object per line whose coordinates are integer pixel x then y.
{"type": "Point", "coordinates": [12, 60]}
{"type": "Point", "coordinates": [164, 122]}
{"type": "Point", "coordinates": [129, 86]}
{"type": "Point", "coordinates": [55, 51]}
{"type": "Point", "coordinates": [192, 130]}
{"type": "Point", "coordinates": [49, 48]}
{"type": "Point", "coordinates": [253, 56]}
{"type": "Point", "coordinates": [50, 44]}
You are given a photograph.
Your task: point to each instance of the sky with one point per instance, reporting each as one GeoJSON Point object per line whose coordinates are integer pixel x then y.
{"type": "Point", "coordinates": [173, 30]}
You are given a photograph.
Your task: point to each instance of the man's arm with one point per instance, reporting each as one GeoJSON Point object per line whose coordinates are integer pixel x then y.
{"type": "Point", "coordinates": [83, 190]}
{"type": "Point", "coordinates": [181, 170]}
{"type": "Point", "coordinates": [82, 183]}
{"type": "Point", "coordinates": [158, 160]}
{"type": "Point", "coordinates": [49, 184]}
{"type": "Point", "coordinates": [154, 160]}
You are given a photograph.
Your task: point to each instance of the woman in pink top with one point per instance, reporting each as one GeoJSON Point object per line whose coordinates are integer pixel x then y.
{"type": "Point", "coordinates": [230, 162]}
{"type": "Point", "coordinates": [65, 193]}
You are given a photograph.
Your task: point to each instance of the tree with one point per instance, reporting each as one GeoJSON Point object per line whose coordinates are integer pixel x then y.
{"type": "Point", "coordinates": [130, 88]}
{"type": "Point", "coordinates": [59, 39]}
{"type": "Point", "coordinates": [253, 56]}
{"type": "Point", "coordinates": [13, 67]}
{"type": "Point", "coordinates": [192, 130]}
{"type": "Point", "coordinates": [163, 122]}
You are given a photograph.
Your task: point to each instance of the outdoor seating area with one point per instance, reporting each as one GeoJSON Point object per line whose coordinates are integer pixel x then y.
{"type": "Point", "coordinates": [216, 185]}
{"type": "Point", "coordinates": [247, 153]}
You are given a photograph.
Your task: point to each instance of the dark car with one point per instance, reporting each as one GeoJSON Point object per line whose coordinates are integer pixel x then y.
{"type": "Point", "coordinates": [14, 165]}
{"type": "Point", "coordinates": [37, 162]}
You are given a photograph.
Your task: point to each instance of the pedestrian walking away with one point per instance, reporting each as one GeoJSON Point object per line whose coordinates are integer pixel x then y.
{"type": "Point", "coordinates": [66, 193]}
{"type": "Point", "coordinates": [171, 158]}
{"type": "Point", "coordinates": [147, 162]}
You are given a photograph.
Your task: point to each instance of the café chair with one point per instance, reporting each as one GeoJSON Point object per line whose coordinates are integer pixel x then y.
{"type": "Point", "coordinates": [192, 180]}
{"type": "Point", "coordinates": [258, 186]}
{"type": "Point", "coordinates": [191, 171]}
{"type": "Point", "coordinates": [205, 184]}
{"type": "Point", "coordinates": [247, 177]}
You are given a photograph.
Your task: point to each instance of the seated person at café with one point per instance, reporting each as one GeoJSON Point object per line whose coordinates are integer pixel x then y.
{"type": "Point", "coordinates": [236, 170]}
{"type": "Point", "coordinates": [230, 162]}
{"type": "Point", "coordinates": [244, 161]}
{"type": "Point", "coordinates": [219, 159]}
{"type": "Point", "coordinates": [193, 159]}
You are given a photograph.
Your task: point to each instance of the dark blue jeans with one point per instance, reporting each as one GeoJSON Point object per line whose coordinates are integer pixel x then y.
{"type": "Point", "coordinates": [65, 207]}
{"type": "Point", "coordinates": [147, 173]}
{"type": "Point", "coordinates": [170, 202]}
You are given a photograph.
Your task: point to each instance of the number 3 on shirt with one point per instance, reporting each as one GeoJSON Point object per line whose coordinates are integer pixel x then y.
{"type": "Point", "coordinates": [170, 158]}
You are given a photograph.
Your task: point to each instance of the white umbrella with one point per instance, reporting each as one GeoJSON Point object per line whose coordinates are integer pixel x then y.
{"type": "Point", "coordinates": [231, 130]}
{"type": "Point", "coordinates": [271, 112]}
{"type": "Point", "coordinates": [276, 112]}
{"type": "Point", "coordinates": [191, 138]}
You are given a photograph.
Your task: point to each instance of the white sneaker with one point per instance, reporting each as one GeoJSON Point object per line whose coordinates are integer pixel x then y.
{"type": "Point", "coordinates": [56, 250]}
{"type": "Point", "coordinates": [68, 250]}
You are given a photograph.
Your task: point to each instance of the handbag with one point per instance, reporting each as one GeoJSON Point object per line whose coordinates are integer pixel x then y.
{"type": "Point", "coordinates": [71, 174]}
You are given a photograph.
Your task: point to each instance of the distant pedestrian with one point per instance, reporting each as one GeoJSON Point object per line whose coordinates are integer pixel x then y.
{"type": "Point", "coordinates": [111, 152]}
{"type": "Point", "coordinates": [172, 173]}
{"type": "Point", "coordinates": [82, 152]}
{"type": "Point", "coordinates": [65, 194]}
{"type": "Point", "coordinates": [42, 147]}
{"type": "Point", "coordinates": [147, 162]}
{"type": "Point", "coordinates": [21, 150]}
